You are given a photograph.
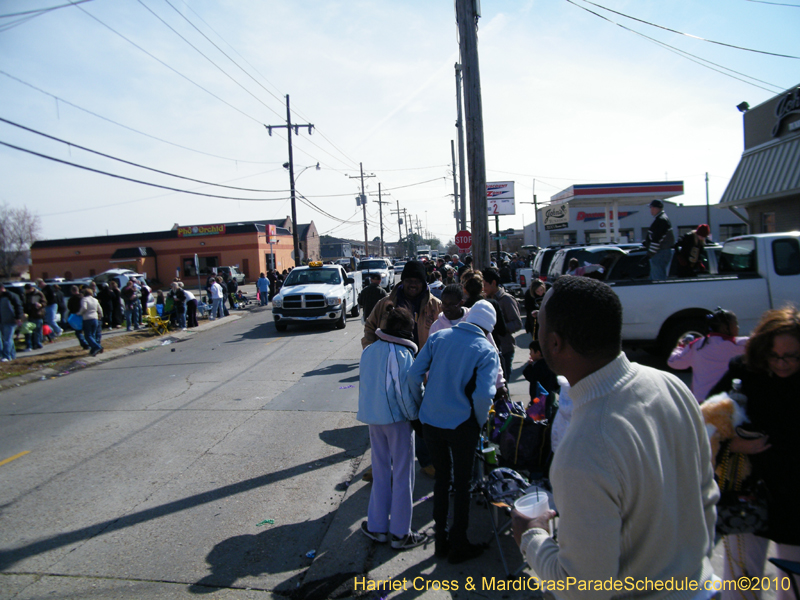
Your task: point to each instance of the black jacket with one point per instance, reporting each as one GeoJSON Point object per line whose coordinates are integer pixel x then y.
{"type": "Point", "coordinates": [660, 235]}
{"type": "Point", "coordinates": [15, 305]}
{"type": "Point", "coordinates": [370, 296]}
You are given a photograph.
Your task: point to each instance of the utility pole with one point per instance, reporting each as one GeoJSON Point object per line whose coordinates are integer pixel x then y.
{"type": "Point", "coordinates": [461, 160]}
{"type": "Point", "coordinates": [468, 44]}
{"type": "Point", "coordinates": [364, 206]}
{"type": "Point", "coordinates": [455, 187]}
{"type": "Point", "coordinates": [708, 209]}
{"type": "Point", "coordinates": [380, 214]}
{"type": "Point", "coordinates": [288, 127]}
{"type": "Point", "coordinates": [399, 212]}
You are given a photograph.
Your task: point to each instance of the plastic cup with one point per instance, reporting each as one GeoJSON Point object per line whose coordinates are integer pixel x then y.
{"type": "Point", "coordinates": [533, 505]}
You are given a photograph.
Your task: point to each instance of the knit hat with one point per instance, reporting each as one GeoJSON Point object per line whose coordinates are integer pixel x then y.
{"type": "Point", "coordinates": [414, 269]}
{"type": "Point", "coordinates": [703, 230]}
{"type": "Point", "coordinates": [482, 314]}
{"type": "Point", "coordinates": [656, 204]}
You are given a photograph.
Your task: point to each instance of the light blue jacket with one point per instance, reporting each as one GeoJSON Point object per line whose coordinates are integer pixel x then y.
{"type": "Point", "coordinates": [451, 357]}
{"type": "Point", "coordinates": [385, 394]}
{"type": "Point", "coordinates": [262, 284]}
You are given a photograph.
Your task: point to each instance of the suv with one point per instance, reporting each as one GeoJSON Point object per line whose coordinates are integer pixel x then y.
{"type": "Point", "coordinates": [121, 276]}
{"type": "Point", "coordinates": [381, 266]}
{"type": "Point", "coordinates": [233, 272]}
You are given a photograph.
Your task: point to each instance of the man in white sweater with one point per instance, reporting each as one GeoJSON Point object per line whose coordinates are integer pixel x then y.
{"type": "Point", "coordinates": [632, 477]}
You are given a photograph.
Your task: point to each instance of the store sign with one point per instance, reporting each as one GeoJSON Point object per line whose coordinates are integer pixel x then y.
{"type": "Point", "coordinates": [786, 106]}
{"type": "Point", "coordinates": [500, 198]}
{"type": "Point", "coordinates": [556, 217]}
{"type": "Point", "coordinates": [201, 230]}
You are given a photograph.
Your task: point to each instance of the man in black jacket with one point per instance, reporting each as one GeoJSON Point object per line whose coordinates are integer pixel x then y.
{"type": "Point", "coordinates": [372, 294]}
{"type": "Point", "coordinates": [659, 242]}
{"type": "Point", "coordinates": [11, 314]}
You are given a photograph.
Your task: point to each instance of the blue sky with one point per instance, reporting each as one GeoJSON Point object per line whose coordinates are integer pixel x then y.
{"type": "Point", "coordinates": [567, 97]}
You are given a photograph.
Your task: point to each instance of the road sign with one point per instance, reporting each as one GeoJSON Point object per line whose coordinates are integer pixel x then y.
{"type": "Point", "coordinates": [463, 239]}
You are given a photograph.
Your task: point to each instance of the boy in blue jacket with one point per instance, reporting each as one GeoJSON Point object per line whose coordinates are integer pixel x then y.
{"type": "Point", "coordinates": [462, 367]}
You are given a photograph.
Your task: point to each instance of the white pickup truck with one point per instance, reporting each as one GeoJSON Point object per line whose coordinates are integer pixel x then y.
{"type": "Point", "coordinates": [316, 293]}
{"type": "Point", "coordinates": [382, 266]}
{"type": "Point", "coordinates": [754, 273]}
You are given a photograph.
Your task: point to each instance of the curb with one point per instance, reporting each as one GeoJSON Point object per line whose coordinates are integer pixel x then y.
{"type": "Point", "coordinates": [90, 361]}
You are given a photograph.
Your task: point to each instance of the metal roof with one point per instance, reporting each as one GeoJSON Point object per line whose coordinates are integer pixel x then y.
{"type": "Point", "coordinates": [765, 173]}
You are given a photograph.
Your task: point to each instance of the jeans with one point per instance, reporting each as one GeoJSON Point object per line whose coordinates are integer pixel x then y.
{"type": "Point", "coordinates": [180, 315]}
{"type": "Point", "coordinates": [33, 341]}
{"type": "Point", "coordinates": [216, 308]}
{"type": "Point", "coordinates": [263, 296]}
{"type": "Point", "coordinates": [50, 318]}
{"type": "Point", "coordinates": [462, 443]}
{"type": "Point", "coordinates": [506, 360]}
{"type": "Point", "coordinates": [7, 349]}
{"type": "Point", "coordinates": [130, 316]}
{"type": "Point", "coordinates": [659, 263]}
{"type": "Point", "coordinates": [90, 331]}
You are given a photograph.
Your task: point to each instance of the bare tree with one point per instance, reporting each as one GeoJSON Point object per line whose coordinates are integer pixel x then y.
{"type": "Point", "coordinates": [19, 228]}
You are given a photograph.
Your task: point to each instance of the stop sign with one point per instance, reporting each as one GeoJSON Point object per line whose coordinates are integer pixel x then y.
{"type": "Point", "coordinates": [463, 239]}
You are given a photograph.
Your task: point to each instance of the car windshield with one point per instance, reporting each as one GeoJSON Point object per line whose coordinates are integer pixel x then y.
{"type": "Point", "coordinates": [372, 264]}
{"type": "Point", "coordinates": [312, 276]}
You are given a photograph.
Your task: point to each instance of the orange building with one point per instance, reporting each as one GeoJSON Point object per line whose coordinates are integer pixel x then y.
{"type": "Point", "coordinates": [163, 255]}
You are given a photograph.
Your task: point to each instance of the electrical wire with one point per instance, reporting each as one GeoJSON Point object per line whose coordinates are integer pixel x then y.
{"type": "Point", "coordinates": [163, 187]}
{"type": "Point", "coordinates": [118, 124]}
{"type": "Point", "coordinates": [683, 53]}
{"type": "Point", "coordinates": [41, 11]}
{"type": "Point", "coordinates": [174, 70]}
{"type": "Point", "coordinates": [775, 3]}
{"type": "Point", "coordinates": [133, 164]}
{"type": "Point", "coordinates": [201, 53]}
{"type": "Point", "coordinates": [696, 37]}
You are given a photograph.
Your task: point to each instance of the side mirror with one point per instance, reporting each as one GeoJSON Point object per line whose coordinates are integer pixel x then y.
{"type": "Point", "coordinates": [350, 280]}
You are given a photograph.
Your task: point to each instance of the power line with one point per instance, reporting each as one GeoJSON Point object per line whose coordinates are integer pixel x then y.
{"type": "Point", "coordinates": [133, 164]}
{"type": "Point", "coordinates": [696, 37]}
{"type": "Point", "coordinates": [134, 44]}
{"type": "Point", "coordinates": [683, 53]}
{"type": "Point", "coordinates": [41, 11]}
{"type": "Point", "coordinates": [775, 3]}
{"type": "Point", "coordinates": [118, 124]}
{"type": "Point", "coordinates": [163, 187]}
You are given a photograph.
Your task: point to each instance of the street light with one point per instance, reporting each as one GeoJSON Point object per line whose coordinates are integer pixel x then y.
{"type": "Point", "coordinates": [295, 238]}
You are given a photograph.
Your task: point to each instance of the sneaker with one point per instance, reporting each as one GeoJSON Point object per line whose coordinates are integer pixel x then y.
{"type": "Point", "coordinates": [93, 353]}
{"type": "Point", "coordinates": [464, 552]}
{"type": "Point", "coordinates": [375, 537]}
{"type": "Point", "coordinates": [412, 540]}
{"type": "Point", "coordinates": [367, 476]}
{"type": "Point", "coordinates": [430, 471]}
{"type": "Point", "coordinates": [3, 360]}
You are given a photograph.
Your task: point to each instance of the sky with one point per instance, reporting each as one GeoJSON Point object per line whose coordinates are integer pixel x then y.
{"type": "Point", "coordinates": [187, 87]}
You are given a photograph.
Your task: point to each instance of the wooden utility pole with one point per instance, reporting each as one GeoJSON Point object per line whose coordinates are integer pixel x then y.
{"type": "Point", "coordinates": [456, 212]}
{"type": "Point", "coordinates": [363, 200]}
{"type": "Point", "coordinates": [288, 127]}
{"type": "Point", "coordinates": [462, 176]}
{"type": "Point", "coordinates": [468, 43]}
{"type": "Point", "coordinates": [380, 214]}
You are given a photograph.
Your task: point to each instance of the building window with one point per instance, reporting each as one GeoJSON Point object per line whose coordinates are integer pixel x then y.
{"type": "Point", "coordinates": [729, 231]}
{"type": "Point", "coordinates": [768, 222]}
{"type": "Point", "coordinates": [562, 239]}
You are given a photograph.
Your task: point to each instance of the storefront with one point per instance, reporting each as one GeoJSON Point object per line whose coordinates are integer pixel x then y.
{"type": "Point", "coordinates": [619, 212]}
{"type": "Point", "coordinates": [767, 180]}
{"type": "Point", "coordinates": [185, 252]}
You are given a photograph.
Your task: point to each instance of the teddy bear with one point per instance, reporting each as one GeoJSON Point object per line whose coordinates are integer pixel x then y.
{"type": "Point", "coordinates": [724, 414]}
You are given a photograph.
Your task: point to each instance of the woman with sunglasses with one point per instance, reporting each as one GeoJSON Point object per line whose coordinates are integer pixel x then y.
{"type": "Point", "coordinates": [770, 375]}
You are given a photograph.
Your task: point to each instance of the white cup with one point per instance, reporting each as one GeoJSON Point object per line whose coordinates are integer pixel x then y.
{"type": "Point", "coordinates": [533, 505]}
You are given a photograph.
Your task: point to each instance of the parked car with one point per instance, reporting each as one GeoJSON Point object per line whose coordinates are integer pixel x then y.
{"type": "Point", "coordinates": [233, 272]}
{"type": "Point", "coordinates": [586, 255]}
{"type": "Point", "coordinates": [121, 276]}
{"type": "Point", "coordinates": [378, 265]}
{"type": "Point", "coordinates": [398, 267]}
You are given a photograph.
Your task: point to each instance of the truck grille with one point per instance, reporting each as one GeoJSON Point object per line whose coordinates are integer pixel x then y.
{"type": "Point", "coordinates": [304, 301]}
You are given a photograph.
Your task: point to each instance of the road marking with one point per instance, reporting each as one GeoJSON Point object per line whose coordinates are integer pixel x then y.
{"type": "Point", "coordinates": [15, 457]}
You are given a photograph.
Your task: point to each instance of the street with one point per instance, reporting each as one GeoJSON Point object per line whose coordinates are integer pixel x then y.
{"type": "Point", "coordinates": [218, 465]}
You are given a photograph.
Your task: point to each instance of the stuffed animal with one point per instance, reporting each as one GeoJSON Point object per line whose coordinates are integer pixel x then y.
{"type": "Point", "coordinates": [723, 415]}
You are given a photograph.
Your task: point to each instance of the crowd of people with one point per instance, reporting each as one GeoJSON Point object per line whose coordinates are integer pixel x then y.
{"type": "Point", "coordinates": [633, 476]}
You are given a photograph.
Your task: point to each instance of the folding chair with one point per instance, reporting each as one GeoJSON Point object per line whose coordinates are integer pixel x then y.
{"type": "Point", "coordinates": [155, 322]}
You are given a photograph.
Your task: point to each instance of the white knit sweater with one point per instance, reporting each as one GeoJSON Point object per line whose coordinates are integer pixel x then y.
{"type": "Point", "coordinates": [633, 484]}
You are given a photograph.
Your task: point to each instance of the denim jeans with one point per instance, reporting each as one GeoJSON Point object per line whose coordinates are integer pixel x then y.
{"type": "Point", "coordinates": [33, 340]}
{"type": "Point", "coordinates": [50, 318]}
{"type": "Point", "coordinates": [659, 263]}
{"type": "Point", "coordinates": [90, 331]}
{"type": "Point", "coordinates": [7, 349]}
{"type": "Point", "coordinates": [216, 308]}
{"type": "Point", "coordinates": [180, 315]}
{"type": "Point", "coordinates": [452, 449]}
{"type": "Point", "coordinates": [130, 319]}
{"type": "Point", "coordinates": [506, 360]}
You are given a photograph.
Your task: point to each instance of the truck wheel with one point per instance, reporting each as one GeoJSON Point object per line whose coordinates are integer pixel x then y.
{"type": "Point", "coordinates": [695, 325]}
{"type": "Point", "coordinates": [355, 312]}
{"type": "Point", "coordinates": [281, 326]}
{"type": "Point", "coordinates": [341, 323]}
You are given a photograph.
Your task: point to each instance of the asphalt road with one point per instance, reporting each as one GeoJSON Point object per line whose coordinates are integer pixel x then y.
{"type": "Point", "coordinates": [153, 476]}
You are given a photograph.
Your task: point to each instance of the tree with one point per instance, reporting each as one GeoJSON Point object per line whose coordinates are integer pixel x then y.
{"type": "Point", "coordinates": [19, 228]}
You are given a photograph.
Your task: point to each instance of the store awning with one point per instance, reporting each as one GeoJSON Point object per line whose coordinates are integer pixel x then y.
{"type": "Point", "coordinates": [625, 194]}
{"type": "Point", "coordinates": [765, 174]}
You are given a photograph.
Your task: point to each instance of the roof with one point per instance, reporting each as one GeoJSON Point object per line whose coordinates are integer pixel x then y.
{"type": "Point", "coordinates": [765, 173]}
{"type": "Point", "coordinates": [623, 193]}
